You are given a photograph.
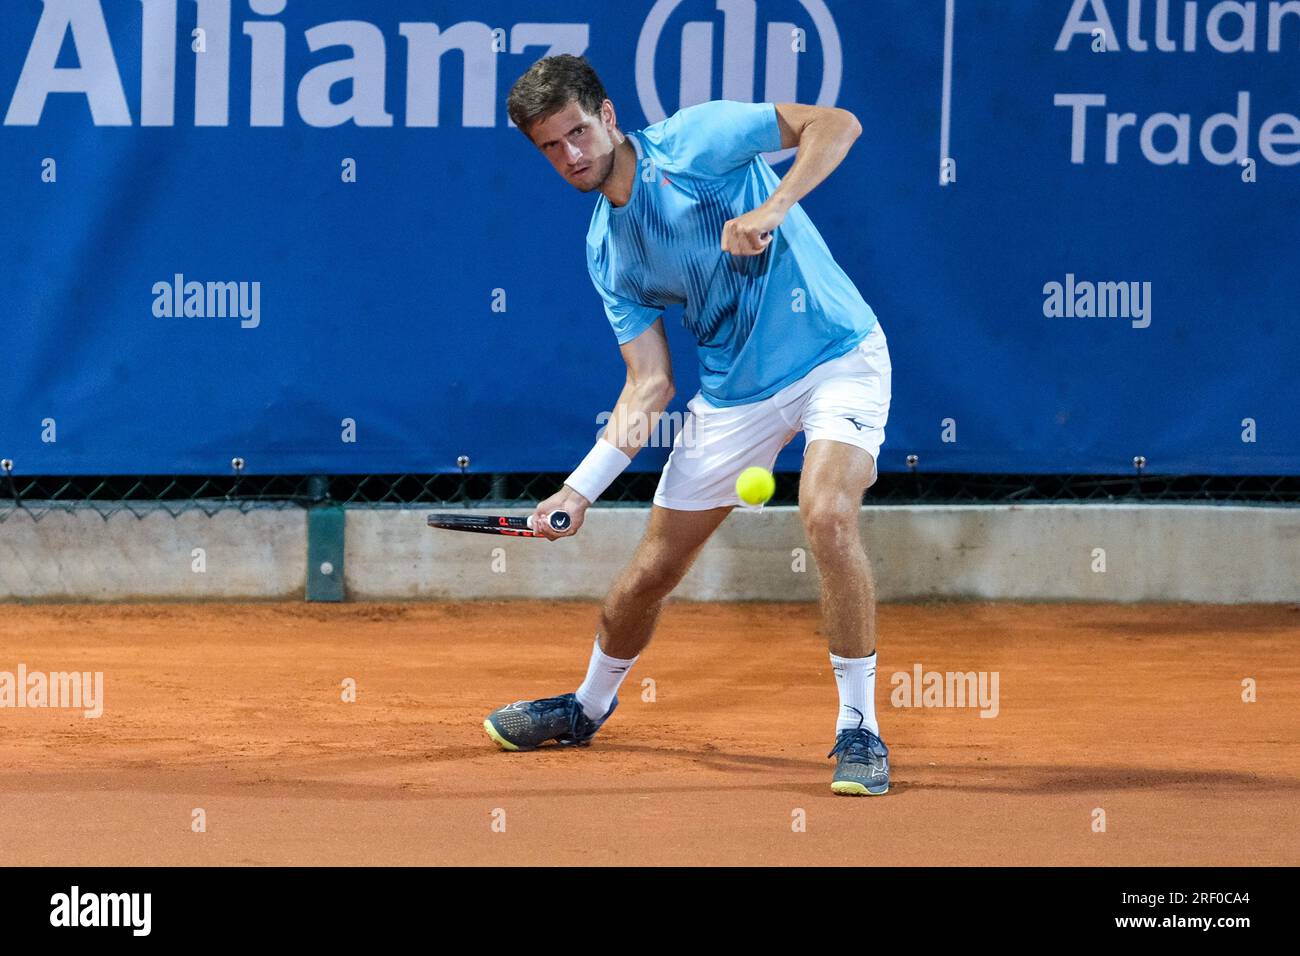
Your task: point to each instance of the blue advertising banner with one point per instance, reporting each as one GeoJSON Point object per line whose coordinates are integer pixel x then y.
{"type": "Point", "coordinates": [306, 233]}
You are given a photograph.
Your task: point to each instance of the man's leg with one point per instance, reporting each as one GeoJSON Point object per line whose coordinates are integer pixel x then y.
{"type": "Point", "coordinates": [631, 609]}
{"type": "Point", "coordinates": [627, 621]}
{"type": "Point", "coordinates": [835, 476]}
{"type": "Point", "coordinates": [667, 551]}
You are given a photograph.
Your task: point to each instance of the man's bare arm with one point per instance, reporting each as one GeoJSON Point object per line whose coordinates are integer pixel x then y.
{"type": "Point", "coordinates": [646, 393]}
{"type": "Point", "coordinates": [823, 135]}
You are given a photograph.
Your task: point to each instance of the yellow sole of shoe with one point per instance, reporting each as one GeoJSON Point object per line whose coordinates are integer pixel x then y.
{"type": "Point", "coordinates": [849, 788]}
{"type": "Point", "coordinates": [500, 741]}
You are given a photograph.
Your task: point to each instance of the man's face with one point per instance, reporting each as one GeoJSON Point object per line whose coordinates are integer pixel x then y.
{"type": "Point", "coordinates": [579, 145]}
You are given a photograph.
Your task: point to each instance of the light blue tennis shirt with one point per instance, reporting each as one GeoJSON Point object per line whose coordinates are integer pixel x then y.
{"type": "Point", "coordinates": [761, 322]}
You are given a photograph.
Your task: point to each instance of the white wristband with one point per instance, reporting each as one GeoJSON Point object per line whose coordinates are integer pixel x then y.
{"type": "Point", "coordinates": [603, 464]}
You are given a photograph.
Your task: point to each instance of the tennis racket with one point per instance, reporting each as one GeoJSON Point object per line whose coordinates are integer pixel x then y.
{"type": "Point", "coordinates": [519, 526]}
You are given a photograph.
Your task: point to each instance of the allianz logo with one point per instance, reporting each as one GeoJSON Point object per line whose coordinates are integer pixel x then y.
{"type": "Point", "coordinates": [784, 42]}
{"type": "Point", "coordinates": [248, 57]}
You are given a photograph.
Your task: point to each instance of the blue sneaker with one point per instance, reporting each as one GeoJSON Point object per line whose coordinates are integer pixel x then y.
{"type": "Point", "coordinates": [527, 724]}
{"type": "Point", "coordinates": [863, 768]}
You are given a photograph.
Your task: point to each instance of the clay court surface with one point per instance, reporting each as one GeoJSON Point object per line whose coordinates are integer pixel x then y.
{"type": "Point", "coordinates": [236, 709]}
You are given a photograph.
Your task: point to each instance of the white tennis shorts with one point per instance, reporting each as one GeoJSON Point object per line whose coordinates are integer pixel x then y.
{"type": "Point", "coordinates": [845, 399]}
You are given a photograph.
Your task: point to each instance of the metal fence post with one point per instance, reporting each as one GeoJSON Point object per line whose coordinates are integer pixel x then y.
{"type": "Point", "coordinates": [326, 521]}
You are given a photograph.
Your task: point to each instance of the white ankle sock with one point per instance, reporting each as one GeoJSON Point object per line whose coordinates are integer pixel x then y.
{"type": "Point", "coordinates": [604, 676]}
{"type": "Point", "coordinates": [856, 679]}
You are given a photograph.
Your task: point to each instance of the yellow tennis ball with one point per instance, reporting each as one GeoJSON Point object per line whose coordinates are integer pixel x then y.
{"type": "Point", "coordinates": [755, 485]}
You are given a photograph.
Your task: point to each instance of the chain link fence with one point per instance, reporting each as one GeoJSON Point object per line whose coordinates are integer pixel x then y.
{"type": "Point", "coordinates": [176, 494]}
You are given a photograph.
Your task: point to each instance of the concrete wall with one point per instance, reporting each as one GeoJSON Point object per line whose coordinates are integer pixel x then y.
{"type": "Point", "coordinates": [81, 556]}
{"type": "Point", "coordinates": [1026, 552]}
{"type": "Point", "coordinates": [1029, 552]}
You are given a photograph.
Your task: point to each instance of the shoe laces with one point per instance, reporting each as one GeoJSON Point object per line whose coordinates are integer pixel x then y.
{"type": "Point", "coordinates": [857, 745]}
{"type": "Point", "coordinates": [566, 702]}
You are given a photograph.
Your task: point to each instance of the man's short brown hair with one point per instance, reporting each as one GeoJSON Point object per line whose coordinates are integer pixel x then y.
{"type": "Point", "coordinates": [551, 84]}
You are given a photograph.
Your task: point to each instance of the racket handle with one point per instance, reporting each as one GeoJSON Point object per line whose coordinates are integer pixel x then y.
{"type": "Point", "coordinates": [558, 520]}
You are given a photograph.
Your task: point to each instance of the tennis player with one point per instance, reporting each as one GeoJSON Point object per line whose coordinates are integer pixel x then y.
{"type": "Point", "coordinates": [688, 211]}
